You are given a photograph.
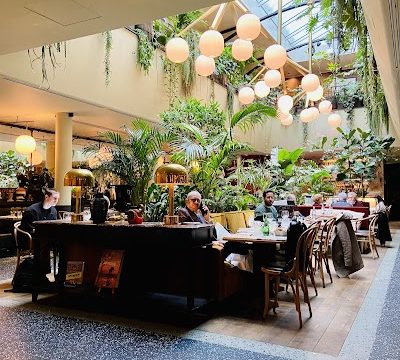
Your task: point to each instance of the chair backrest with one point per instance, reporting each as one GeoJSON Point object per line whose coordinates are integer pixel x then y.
{"type": "Point", "coordinates": [248, 214]}
{"type": "Point", "coordinates": [327, 232]}
{"type": "Point", "coordinates": [372, 224]}
{"type": "Point", "coordinates": [235, 220]}
{"type": "Point", "coordinates": [304, 247]}
{"type": "Point", "coordinates": [17, 231]}
{"type": "Point", "coordinates": [218, 218]}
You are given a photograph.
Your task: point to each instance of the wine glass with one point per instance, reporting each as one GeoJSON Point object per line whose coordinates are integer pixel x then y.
{"type": "Point", "coordinates": [285, 214]}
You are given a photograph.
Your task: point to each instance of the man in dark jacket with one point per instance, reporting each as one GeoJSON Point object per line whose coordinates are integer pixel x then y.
{"type": "Point", "coordinates": [43, 210]}
{"type": "Point", "coordinates": [194, 211]}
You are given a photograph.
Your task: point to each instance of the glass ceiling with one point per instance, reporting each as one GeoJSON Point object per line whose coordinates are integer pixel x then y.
{"type": "Point", "coordinates": [294, 27]}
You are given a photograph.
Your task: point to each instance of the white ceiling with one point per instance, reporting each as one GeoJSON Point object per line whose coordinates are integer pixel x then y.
{"type": "Point", "coordinates": [25, 24]}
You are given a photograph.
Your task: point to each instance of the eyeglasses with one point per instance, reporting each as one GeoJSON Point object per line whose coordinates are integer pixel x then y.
{"type": "Point", "coordinates": [195, 200]}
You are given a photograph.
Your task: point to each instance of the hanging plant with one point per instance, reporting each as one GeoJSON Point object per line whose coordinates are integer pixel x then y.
{"type": "Point", "coordinates": [145, 50]}
{"type": "Point", "coordinates": [48, 53]}
{"type": "Point", "coordinates": [188, 71]}
{"type": "Point", "coordinates": [107, 64]}
{"type": "Point", "coordinates": [171, 80]}
{"type": "Point", "coordinates": [305, 133]}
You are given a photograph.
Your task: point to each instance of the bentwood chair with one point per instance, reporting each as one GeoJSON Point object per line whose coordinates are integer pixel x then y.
{"type": "Point", "coordinates": [296, 276]}
{"type": "Point", "coordinates": [322, 247]}
{"type": "Point", "coordinates": [368, 236]}
{"type": "Point", "coordinates": [22, 250]}
{"type": "Point", "coordinates": [310, 267]}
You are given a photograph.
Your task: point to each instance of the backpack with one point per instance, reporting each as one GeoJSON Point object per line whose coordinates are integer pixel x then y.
{"type": "Point", "coordinates": [23, 277]}
{"type": "Point", "coordinates": [294, 232]}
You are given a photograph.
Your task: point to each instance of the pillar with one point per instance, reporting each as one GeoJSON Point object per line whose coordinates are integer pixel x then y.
{"type": "Point", "coordinates": [51, 156]}
{"type": "Point", "coordinates": [63, 156]}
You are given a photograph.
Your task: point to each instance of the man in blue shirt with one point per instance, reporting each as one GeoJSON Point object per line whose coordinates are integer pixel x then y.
{"type": "Point", "coordinates": [342, 200]}
{"type": "Point", "coordinates": [266, 206]}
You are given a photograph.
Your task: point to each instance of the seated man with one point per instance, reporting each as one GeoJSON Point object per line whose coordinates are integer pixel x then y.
{"type": "Point", "coordinates": [266, 206]}
{"type": "Point", "coordinates": [342, 200]}
{"type": "Point", "coordinates": [352, 199]}
{"type": "Point", "coordinates": [291, 199]}
{"type": "Point", "coordinates": [194, 211]}
{"type": "Point", "coordinates": [43, 210]}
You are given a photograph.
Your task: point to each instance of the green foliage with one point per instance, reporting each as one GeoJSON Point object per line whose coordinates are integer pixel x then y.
{"type": "Point", "coordinates": [287, 159]}
{"type": "Point", "coordinates": [11, 165]}
{"type": "Point", "coordinates": [171, 75]}
{"type": "Point", "coordinates": [134, 156]}
{"type": "Point", "coordinates": [188, 71]}
{"type": "Point", "coordinates": [145, 50]}
{"type": "Point", "coordinates": [107, 52]}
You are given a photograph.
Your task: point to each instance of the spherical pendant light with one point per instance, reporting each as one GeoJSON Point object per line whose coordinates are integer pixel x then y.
{"type": "Point", "coordinates": [307, 115]}
{"type": "Point", "coordinates": [310, 82]}
{"type": "Point", "coordinates": [273, 78]}
{"type": "Point", "coordinates": [261, 89]}
{"type": "Point", "coordinates": [316, 94]}
{"type": "Point", "coordinates": [287, 121]}
{"type": "Point", "coordinates": [36, 158]}
{"type": "Point", "coordinates": [325, 107]}
{"type": "Point", "coordinates": [275, 56]}
{"type": "Point", "coordinates": [314, 113]}
{"type": "Point", "coordinates": [211, 43]}
{"type": "Point", "coordinates": [246, 95]}
{"type": "Point", "coordinates": [334, 120]}
{"type": "Point", "coordinates": [285, 103]}
{"type": "Point", "coordinates": [25, 144]}
{"type": "Point", "coordinates": [242, 50]}
{"type": "Point", "coordinates": [204, 65]}
{"type": "Point", "coordinates": [248, 27]}
{"type": "Point", "coordinates": [177, 50]}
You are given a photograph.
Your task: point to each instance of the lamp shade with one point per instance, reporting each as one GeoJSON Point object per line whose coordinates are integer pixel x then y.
{"type": "Point", "coordinates": [334, 120]}
{"type": "Point", "coordinates": [36, 158]}
{"type": "Point", "coordinates": [177, 50]}
{"type": "Point", "coordinates": [246, 95]}
{"type": "Point", "coordinates": [168, 174]}
{"type": "Point", "coordinates": [261, 89]}
{"type": "Point", "coordinates": [325, 107]}
{"type": "Point", "coordinates": [25, 144]}
{"type": "Point", "coordinates": [211, 43]}
{"type": "Point", "coordinates": [272, 78]}
{"type": "Point", "coordinates": [288, 120]}
{"type": "Point", "coordinates": [285, 103]}
{"type": "Point", "coordinates": [306, 116]}
{"type": "Point", "coordinates": [316, 94]}
{"type": "Point", "coordinates": [79, 177]}
{"type": "Point", "coordinates": [314, 113]}
{"type": "Point", "coordinates": [242, 50]}
{"type": "Point", "coordinates": [310, 82]}
{"type": "Point", "coordinates": [204, 65]}
{"type": "Point", "coordinates": [248, 27]}
{"type": "Point", "coordinates": [275, 56]}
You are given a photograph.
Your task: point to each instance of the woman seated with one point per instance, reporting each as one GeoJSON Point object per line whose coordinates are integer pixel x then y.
{"type": "Point", "coordinates": [318, 200]}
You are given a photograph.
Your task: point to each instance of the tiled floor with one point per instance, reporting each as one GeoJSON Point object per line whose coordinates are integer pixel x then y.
{"type": "Point", "coordinates": [334, 312]}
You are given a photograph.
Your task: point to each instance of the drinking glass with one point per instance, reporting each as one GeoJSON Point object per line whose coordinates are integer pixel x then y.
{"type": "Point", "coordinates": [268, 216]}
{"type": "Point", "coordinates": [285, 214]}
{"type": "Point", "coordinates": [86, 214]}
{"type": "Point", "coordinates": [67, 216]}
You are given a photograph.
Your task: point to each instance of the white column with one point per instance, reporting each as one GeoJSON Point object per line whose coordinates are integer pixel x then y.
{"type": "Point", "coordinates": [63, 156]}
{"type": "Point", "coordinates": [51, 156]}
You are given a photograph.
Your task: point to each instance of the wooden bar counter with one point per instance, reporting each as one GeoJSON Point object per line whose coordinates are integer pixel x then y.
{"type": "Point", "coordinates": [171, 259]}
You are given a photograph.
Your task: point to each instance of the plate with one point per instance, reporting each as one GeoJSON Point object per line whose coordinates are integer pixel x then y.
{"type": "Point", "coordinates": [191, 223]}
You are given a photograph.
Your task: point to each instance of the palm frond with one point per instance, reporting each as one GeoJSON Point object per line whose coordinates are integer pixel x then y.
{"type": "Point", "coordinates": [252, 115]}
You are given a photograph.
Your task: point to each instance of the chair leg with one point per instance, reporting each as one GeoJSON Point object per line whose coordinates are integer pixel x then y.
{"type": "Point", "coordinates": [321, 270]}
{"type": "Point", "coordinates": [297, 301]}
{"type": "Point", "coordinates": [18, 259]}
{"type": "Point", "coordinates": [376, 249]}
{"type": "Point", "coordinates": [277, 283]}
{"type": "Point", "coordinates": [266, 296]}
{"type": "Point", "coordinates": [305, 292]}
{"type": "Point", "coordinates": [328, 270]}
{"type": "Point", "coordinates": [313, 281]}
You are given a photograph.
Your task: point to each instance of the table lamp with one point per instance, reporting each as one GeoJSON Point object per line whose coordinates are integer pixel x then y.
{"type": "Point", "coordinates": [171, 175]}
{"type": "Point", "coordinates": [79, 178]}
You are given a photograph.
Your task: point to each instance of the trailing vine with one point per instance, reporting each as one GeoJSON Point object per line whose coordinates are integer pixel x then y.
{"type": "Point", "coordinates": [171, 80]}
{"type": "Point", "coordinates": [145, 50]}
{"type": "Point", "coordinates": [107, 63]}
{"type": "Point", "coordinates": [188, 71]}
{"type": "Point", "coordinates": [48, 52]}
{"type": "Point", "coordinates": [305, 133]}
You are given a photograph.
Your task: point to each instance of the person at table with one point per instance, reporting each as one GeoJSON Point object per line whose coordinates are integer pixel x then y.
{"type": "Point", "coordinates": [318, 200]}
{"type": "Point", "coordinates": [291, 199]}
{"type": "Point", "coordinates": [383, 232]}
{"type": "Point", "coordinates": [352, 199]}
{"type": "Point", "coordinates": [342, 200]}
{"type": "Point", "coordinates": [42, 210]}
{"type": "Point", "coordinates": [266, 207]}
{"type": "Point", "coordinates": [194, 211]}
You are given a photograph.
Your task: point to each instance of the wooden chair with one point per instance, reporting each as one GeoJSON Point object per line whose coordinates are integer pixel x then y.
{"type": "Point", "coordinates": [311, 270]}
{"type": "Point", "coordinates": [322, 247]}
{"type": "Point", "coordinates": [20, 251]}
{"type": "Point", "coordinates": [368, 236]}
{"type": "Point", "coordinates": [235, 220]}
{"type": "Point", "coordinates": [297, 274]}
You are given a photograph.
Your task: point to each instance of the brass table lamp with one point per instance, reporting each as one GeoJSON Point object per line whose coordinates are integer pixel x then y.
{"type": "Point", "coordinates": [79, 178]}
{"type": "Point", "coordinates": [171, 175]}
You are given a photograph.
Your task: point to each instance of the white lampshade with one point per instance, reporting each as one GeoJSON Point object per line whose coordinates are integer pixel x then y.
{"type": "Point", "coordinates": [275, 56]}
{"type": "Point", "coordinates": [177, 50]}
{"type": "Point", "coordinates": [314, 113]}
{"type": "Point", "coordinates": [246, 95]}
{"type": "Point", "coordinates": [211, 43]}
{"type": "Point", "coordinates": [282, 115]}
{"type": "Point", "coordinates": [306, 116]}
{"type": "Point", "coordinates": [36, 158]}
{"type": "Point", "coordinates": [261, 89]}
{"type": "Point", "coordinates": [310, 82]}
{"type": "Point", "coordinates": [285, 103]}
{"type": "Point", "coordinates": [25, 144]}
{"type": "Point", "coordinates": [242, 50]}
{"type": "Point", "coordinates": [248, 27]}
{"type": "Point", "coordinates": [204, 65]}
{"type": "Point", "coordinates": [325, 107]}
{"type": "Point", "coordinates": [273, 78]}
{"type": "Point", "coordinates": [334, 120]}
{"type": "Point", "coordinates": [316, 94]}
{"type": "Point", "coordinates": [288, 120]}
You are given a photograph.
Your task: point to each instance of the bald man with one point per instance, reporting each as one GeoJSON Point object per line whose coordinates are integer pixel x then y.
{"type": "Point", "coordinates": [192, 212]}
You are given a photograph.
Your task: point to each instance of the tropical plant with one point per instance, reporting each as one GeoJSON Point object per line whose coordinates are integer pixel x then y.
{"type": "Point", "coordinates": [133, 157]}
{"type": "Point", "coordinates": [11, 165]}
{"type": "Point", "coordinates": [145, 50]}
